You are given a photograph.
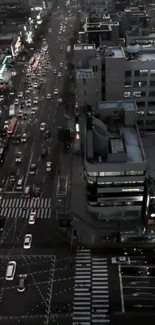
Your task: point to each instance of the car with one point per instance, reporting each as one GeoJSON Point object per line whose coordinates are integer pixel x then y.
{"type": "Point", "coordinates": [28, 103]}
{"type": "Point", "coordinates": [48, 166]}
{"type": "Point", "coordinates": [61, 64]}
{"type": "Point", "coordinates": [59, 74]}
{"type": "Point", "coordinates": [37, 192]}
{"type": "Point", "coordinates": [151, 271]}
{"type": "Point", "coordinates": [25, 115]}
{"type": "Point", "coordinates": [16, 101]}
{"type": "Point", "coordinates": [18, 157]}
{"type": "Point", "coordinates": [42, 126]}
{"type": "Point", "coordinates": [24, 138]}
{"type": "Point", "coordinates": [32, 169]}
{"type": "Point", "coordinates": [35, 100]}
{"type": "Point", "coordinates": [27, 241]}
{"type": "Point", "coordinates": [12, 176]}
{"type": "Point", "coordinates": [27, 91]}
{"type": "Point", "coordinates": [120, 260]}
{"type": "Point", "coordinates": [48, 96]}
{"type": "Point", "coordinates": [35, 85]}
{"type": "Point", "coordinates": [47, 134]}
{"type": "Point", "coordinates": [16, 139]}
{"type": "Point", "coordinates": [61, 48]}
{"type": "Point", "coordinates": [55, 71]}
{"type": "Point", "coordinates": [32, 217]}
{"type": "Point", "coordinates": [20, 95]}
{"type": "Point", "coordinates": [21, 284]}
{"type": "Point", "coordinates": [59, 100]}
{"type": "Point", "coordinates": [55, 91]}
{"type": "Point", "coordinates": [44, 152]}
{"type": "Point", "coordinates": [2, 223]}
{"type": "Point", "coordinates": [20, 113]}
{"type": "Point", "coordinates": [33, 110]}
{"type": "Point", "coordinates": [6, 124]}
{"type": "Point", "coordinates": [10, 271]}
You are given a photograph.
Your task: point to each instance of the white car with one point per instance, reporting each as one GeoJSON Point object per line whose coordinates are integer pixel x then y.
{"type": "Point", "coordinates": [28, 103]}
{"type": "Point", "coordinates": [48, 96]}
{"type": "Point", "coordinates": [16, 101]}
{"type": "Point", "coordinates": [120, 260]}
{"type": "Point", "coordinates": [54, 71]}
{"type": "Point", "coordinates": [20, 95]}
{"type": "Point", "coordinates": [61, 65]}
{"type": "Point", "coordinates": [59, 100]}
{"type": "Point", "coordinates": [20, 113]}
{"type": "Point", "coordinates": [27, 91]}
{"type": "Point", "coordinates": [18, 158]}
{"type": "Point", "coordinates": [55, 91]}
{"type": "Point", "coordinates": [48, 166]}
{"type": "Point", "coordinates": [10, 271]}
{"type": "Point", "coordinates": [32, 218]}
{"type": "Point", "coordinates": [35, 100]}
{"type": "Point", "coordinates": [42, 126]}
{"type": "Point", "coordinates": [24, 138]}
{"type": "Point", "coordinates": [27, 241]}
{"type": "Point", "coordinates": [35, 85]}
{"type": "Point", "coordinates": [59, 74]}
{"type": "Point", "coordinates": [6, 124]}
{"type": "Point", "coordinates": [33, 110]}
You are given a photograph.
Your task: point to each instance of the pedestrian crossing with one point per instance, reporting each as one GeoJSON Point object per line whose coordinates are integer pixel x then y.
{"type": "Point", "coordinates": [21, 208]}
{"type": "Point", "coordinates": [91, 298]}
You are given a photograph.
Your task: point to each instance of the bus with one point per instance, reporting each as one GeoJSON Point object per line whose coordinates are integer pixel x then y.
{"type": "Point", "coordinates": [12, 125]}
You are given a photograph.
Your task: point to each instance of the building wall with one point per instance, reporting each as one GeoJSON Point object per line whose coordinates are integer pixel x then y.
{"type": "Point", "coordinates": [114, 78]}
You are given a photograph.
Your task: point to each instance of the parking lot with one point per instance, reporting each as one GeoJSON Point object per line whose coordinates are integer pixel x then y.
{"type": "Point", "coordinates": [35, 300]}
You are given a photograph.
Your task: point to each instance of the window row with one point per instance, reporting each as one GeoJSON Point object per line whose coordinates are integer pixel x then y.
{"type": "Point", "coordinates": [136, 94]}
{"type": "Point", "coordinates": [138, 73]}
{"type": "Point", "coordinates": [114, 204]}
{"type": "Point", "coordinates": [118, 173]}
{"type": "Point", "coordinates": [138, 84]}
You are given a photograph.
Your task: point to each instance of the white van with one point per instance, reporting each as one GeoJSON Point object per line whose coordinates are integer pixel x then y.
{"type": "Point", "coordinates": [19, 184]}
{"type": "Point", "coordinates": [27, 191]}
{"type": "Point", "coordinates": [10, 271]}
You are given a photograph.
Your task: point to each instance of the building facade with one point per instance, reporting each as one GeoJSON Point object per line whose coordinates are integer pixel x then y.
{"type": "Point", "coordinates": [115, 166]}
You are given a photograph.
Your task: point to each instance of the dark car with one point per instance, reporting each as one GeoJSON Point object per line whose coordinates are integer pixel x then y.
{"type": "Point", "coordinates": [47, 134]}
{"type": "Point", "coordinates": [44, 152]}
{"type": "Point", "coordinates": [2, 223]}
{"type": "Point", "coordinates": [16, 139]}
{"type": "Point", "coordinates": [25, 115]}
{"type": "Point", "coordinates": [37, 192]}
{"type": "Point", "coordinates": [12, 176]}
{"type": "Point", "coordinates": [32, 169]}
{"type": "Point", "coordinates": [21, 284]}
{"type": "Point", "coordinates": [22, 105]}
{"type": "Point", "coordinates": [151, 271]}
{"type": "Point", "coordinates": [130, 271]}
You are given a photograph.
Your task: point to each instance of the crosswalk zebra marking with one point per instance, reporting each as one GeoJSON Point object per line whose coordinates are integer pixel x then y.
{"type": "Point", "coordinates": [26, 203]}
{"type": "Point", "coordinates": [91, 294]}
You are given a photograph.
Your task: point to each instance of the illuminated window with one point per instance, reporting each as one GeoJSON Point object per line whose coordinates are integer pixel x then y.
{"type": "Point", "coordinates": [127, 94]}
{"type": "Point", "coordinates": [137, 93]}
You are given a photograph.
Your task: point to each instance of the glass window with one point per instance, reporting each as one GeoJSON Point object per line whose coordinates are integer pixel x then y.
{"type": "Point", "coordinates": [143, 72]}
{"type": "Point", "coordinates": [127, 84]}
{"type": "Point", "coordinates": [136, 73]}
{"type": "Point", "coordinates": [128, 73]}
{"type": "Point", "coordinates": [92, 174]}
{"type": "Point", "coordinates": [134, 172]}
{"type": "Point", "coordinates": [151, 93]}
{"type": "Point", "coordinates": [152, 72]}
{"type": "Point", "coordinates": [137, 93]}
{"type": "Point", "coordinates": [140, 113]}
{"type": "Point", "coordinates": [119, 173]}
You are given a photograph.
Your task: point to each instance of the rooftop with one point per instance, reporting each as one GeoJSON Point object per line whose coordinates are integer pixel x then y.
{"type": "Point", "coordinates": [116, 52]}
{"type": "Point", "coordinates": [112, 135]}
{"type": "Point", "coordinates": [78, 47]}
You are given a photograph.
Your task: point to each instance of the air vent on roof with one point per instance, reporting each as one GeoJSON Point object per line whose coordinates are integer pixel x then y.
{"type": "Point", "coordinates": [133, 48]}
{"type": "Point", "coordinates": [110, 53]}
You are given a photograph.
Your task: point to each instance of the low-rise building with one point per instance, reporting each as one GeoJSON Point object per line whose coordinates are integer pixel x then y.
{"type": "Point", "coordinates": [115, 166]}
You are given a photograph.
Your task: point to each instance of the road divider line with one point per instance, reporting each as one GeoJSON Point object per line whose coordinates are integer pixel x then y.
{"type": "Point", "coordinates": [26, 177]}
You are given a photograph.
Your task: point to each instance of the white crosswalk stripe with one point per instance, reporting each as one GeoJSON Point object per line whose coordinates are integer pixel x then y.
{"type": "Point", "coordinates": [21, 208]}
{"type": "Point", "coordinates": [91, 294]}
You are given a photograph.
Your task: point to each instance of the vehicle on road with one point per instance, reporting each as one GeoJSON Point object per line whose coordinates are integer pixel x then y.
{"type": "Point", "coordinates": [24, 138]}
{"type": "Point", "coordinates": [48, 166]}
{"type": "Point", "coordinates": [35, 100]}
{"type": "Point", "coordinates": [47, 134]}
{"type": "Point", "coordinates": [55, 91]}
{"type": "Point", "coordinates": [48, 96]}
{"type": "Point", "coordinates": [12, 176]}
{"type": "Point", "coordinates": [27, 241]}
{"type": "Point", "coordinates": [18, 157]}
{"type": "Point", "coordinates": [42, 126]}
{"type": "Point", "coordinates": [37, 192]}
{"type": "Point", "coordinates": [55, 71]}
{"type": "Point", "coordinates": [16, 139]}
{"type": "Point", "coordinates": [32, 218]}
{"type": "Point", "coordinates": [20, 113]}
{"type": "Point", "coordinates": [21, 284]}
{"type": "Point", "coordinates": [32, 169]}
{"type": "Point", "coordinates": [12, 125]}
{"type": "Point", "coordinates": [10, 271]}
{"type": "Point", "coordinates": [120, 260]}
{"type": "Point", "coordinates": [2, 223]}
{"type": "Point", "coordinates": [44, 152]}
{"type": "Point", "coordinates": [59, 74]}
{"type": "Point", "coordinates": [20, 95]}
{"type": "Point", "coordinates": [19, 185]}
{"type": "Point", "coordinates": [27, 191]}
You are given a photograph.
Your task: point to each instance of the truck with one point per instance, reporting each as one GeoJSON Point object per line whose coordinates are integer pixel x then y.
{"type": "Point", "coordinates": [12, 110]}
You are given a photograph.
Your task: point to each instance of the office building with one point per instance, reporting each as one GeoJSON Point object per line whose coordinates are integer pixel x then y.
{"type": "Point", "coordinates": [115, 166]}
{"type": "Point", "coordinates": [117, 74]}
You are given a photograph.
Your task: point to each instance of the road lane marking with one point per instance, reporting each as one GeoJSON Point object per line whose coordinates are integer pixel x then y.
{"type": "Point", "coordinates": [26, 177]}
{"type": "Point", "coordinates": [121, 288]}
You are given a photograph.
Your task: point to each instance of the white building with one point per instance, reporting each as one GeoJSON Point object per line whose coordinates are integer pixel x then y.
{"type": "Point", "coordinates": [115, 166]}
